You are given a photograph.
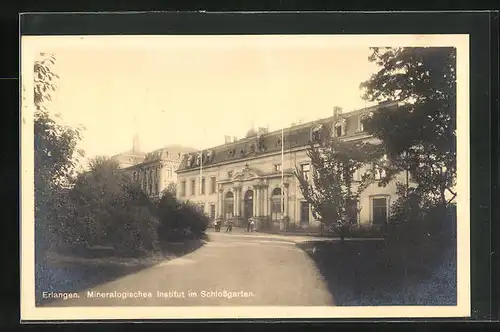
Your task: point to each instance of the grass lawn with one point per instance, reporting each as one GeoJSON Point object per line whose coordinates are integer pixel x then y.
{"type": "Point", "coordinates": [371, 273]}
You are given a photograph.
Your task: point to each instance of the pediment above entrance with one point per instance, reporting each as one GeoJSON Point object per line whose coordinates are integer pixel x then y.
{"type": "Point", "coordinates": [247, 173]}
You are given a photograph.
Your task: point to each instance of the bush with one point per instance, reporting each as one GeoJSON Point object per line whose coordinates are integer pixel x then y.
{"type": "Point", "coordinates": [180, 220]}
{"type": "Point", "coordinates": [424, 240]}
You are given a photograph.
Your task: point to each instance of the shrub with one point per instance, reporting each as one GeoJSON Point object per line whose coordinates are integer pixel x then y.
{"type": "Point", "coordinates": [180, 220]}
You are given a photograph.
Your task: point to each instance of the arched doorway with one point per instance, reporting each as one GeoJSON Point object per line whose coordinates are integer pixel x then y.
{"type": "Point", "coordinates": [248, 205]}
{"type": "Point", "coordinates": [228, 205]}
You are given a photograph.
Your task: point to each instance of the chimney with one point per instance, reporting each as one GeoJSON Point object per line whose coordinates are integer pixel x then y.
{"type": "Point", "coordinates": [227, 139]}
{"type": "Point", "coordinates": [337, 111]}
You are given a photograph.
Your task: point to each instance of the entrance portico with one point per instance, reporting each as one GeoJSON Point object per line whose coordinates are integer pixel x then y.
{"type": "Point", "coordinates": [251, 193]}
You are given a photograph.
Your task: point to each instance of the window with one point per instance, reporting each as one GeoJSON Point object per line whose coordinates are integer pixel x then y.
{"type": "Point", "coordinates": [305, 171]}
{"type": "Point", "coordinates": [230, 174]}
{"type": "Point", "coordinates": [338, 131]}
{"type": "Point", "coordinates": [213, 185]}
{"type": "Point", "coordinates": [304, 212]}
{"type": "Point", "coordinates": [193, 187]}
{"type": "Point", "coordinates": [277, 167]}
{"type": "Point", "coordinates": [278, 142]}
{"type": "Point", "coordinates": [203, 186]}
{"type": "Point", "coordinates": [183, 189]}
{"type": "Point", "coordinates": [361, 126]}
{"type": "Point", "coordinates": [379, 210]}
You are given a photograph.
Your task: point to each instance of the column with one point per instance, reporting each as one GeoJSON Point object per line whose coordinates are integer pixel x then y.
{"type": "Point", "coordinates": [220, 199]}
{"type": "Point", "coordinates": [235, 202]}
{"type": "Point", "coordinates": [257, 202]}
{"type": "Point", "coordinates": [254, 203]}
{"type": "Point", "coordinates": [266, 201]}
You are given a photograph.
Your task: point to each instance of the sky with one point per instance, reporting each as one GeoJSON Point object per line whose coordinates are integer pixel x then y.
{"type": "Point", "coordinates": [194, 90]}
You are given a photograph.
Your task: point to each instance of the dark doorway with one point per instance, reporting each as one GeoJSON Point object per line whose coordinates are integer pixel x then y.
{"type": "Point", "coordinates": [379, 206]}
{"type": "Point", "coordinates": [304, 213]}
{"type": "Point", "coordinates": [248, 205]}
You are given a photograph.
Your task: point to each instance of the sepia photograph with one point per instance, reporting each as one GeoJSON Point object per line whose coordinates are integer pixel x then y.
{"type": "Point", "coordinates": [255, 176]}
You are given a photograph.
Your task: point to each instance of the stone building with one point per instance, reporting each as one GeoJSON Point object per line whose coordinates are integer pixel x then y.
{"type": "Point", "coordinates": [243, 178]}
{"type": "Point", "coordinates": [153, 170]}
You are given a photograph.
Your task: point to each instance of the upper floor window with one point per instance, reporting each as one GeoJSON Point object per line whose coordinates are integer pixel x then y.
{"type": "Point", "coordinates": [379, 172]}
{"type": "Point", "coordinates": [203, 186]}
{"type": "Point", "coordinates": [277, 167]}
{"type": "Point", "coordinates": [316, 133]}
{"type": "Point", "coordinates": [338, 131]}
{"type": "Point", "coordinates": [212, 184]}
{"type": "Point", "coordinates": [183, 189]}
{"type": "Point", "coordinates": [193, 187]}
{"type": "Point", "coordinates": [230, 174]}
{"type": "Point", "coordinates": [305, 169]}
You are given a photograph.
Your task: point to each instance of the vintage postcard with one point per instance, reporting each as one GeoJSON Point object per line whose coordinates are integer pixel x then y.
{"type": "Point", "coordinates": [245, 176]}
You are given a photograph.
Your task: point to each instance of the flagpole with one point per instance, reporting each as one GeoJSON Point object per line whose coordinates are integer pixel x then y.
{"type": "Point", "coordinates": [201, 161]}
{"type": "Point", "coordinates": [282, 173]}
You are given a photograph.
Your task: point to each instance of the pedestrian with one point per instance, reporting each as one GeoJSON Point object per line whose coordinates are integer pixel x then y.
{"type": "Point", "coordinates": [249, 224]}
{"type": "Point", "coordinates": [252, 225]}
{"type": "Point", "coordinates": [229, 226]}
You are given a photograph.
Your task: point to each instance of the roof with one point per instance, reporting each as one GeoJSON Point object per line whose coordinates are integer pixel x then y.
{"type": "Point", "coordinates": [294, 137]}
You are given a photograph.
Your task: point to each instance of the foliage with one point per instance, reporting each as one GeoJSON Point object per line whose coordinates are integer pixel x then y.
{"type": "Point", "coordinates": [111, 210]}
{"type": "Point", "coordinates": [419, 136]}
{"type": "Point", "coordinates": [55, 156]}
{"type": "Point", "coordinates": [180, 220]}
{"type": "Point", "coordinates": [172, 188]}
{"type": "Point", "coordinates": [333, 192]}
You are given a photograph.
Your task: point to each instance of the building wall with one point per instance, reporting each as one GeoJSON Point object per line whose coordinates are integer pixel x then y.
{"type": "Point", "coordinates": [272, 179]}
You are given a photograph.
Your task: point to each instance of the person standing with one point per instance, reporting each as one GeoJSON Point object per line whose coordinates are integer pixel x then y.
{"type": "Point", "coordinates": [229, 226]}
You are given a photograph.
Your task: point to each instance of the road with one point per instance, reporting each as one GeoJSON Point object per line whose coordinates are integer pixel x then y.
{"type": "Point", "coordinates": [254, 270]}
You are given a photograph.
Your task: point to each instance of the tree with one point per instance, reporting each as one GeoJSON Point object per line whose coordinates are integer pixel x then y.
{"type": "Point", "coordinates": [333, 192]}
{"type": "Point", "coordinates": [171, 188]}
{"type": "Point", "coordinates": [419, 136]}
{"type": "Point", "coordinates": [112, 210]}
{"type": "Point", "coordinates": [55, 155]}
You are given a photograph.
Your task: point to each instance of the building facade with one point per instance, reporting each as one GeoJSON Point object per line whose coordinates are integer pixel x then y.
{"type": "Point", "coordinates": [254, 176]}
{"type": "Point", "coordinates": [154, 171]}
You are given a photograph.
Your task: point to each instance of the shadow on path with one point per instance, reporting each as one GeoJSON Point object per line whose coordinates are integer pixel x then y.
{"type": "Point", "coordinates": [366, 273]}
{"type": "Point", "coordinates": [77, 276]}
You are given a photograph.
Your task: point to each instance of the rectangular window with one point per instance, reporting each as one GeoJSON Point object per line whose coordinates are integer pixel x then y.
{"type": "Point", "coordinates": [230, 174]}
{"type": "Point", "coordinates": [213, 185]}
{"type": "Point", "coordinates": [379, 210]}
{"type": "Point", "coordinates": [183, 189]}
{"type": "Point", "coordinates": [304, 212]}
{"type": "Point", "coordinates": [193, 187]}
{"type": "Point", "coordinates": [360, 124]}
{"type": "Point", "coordinates": [203, 186]}
{"type": "Point", "coordinates": [277, 168]}
{"type": "Point", "coordinates": [305, 169]}
{"type": "Point", "coordinates": [379, 173]}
